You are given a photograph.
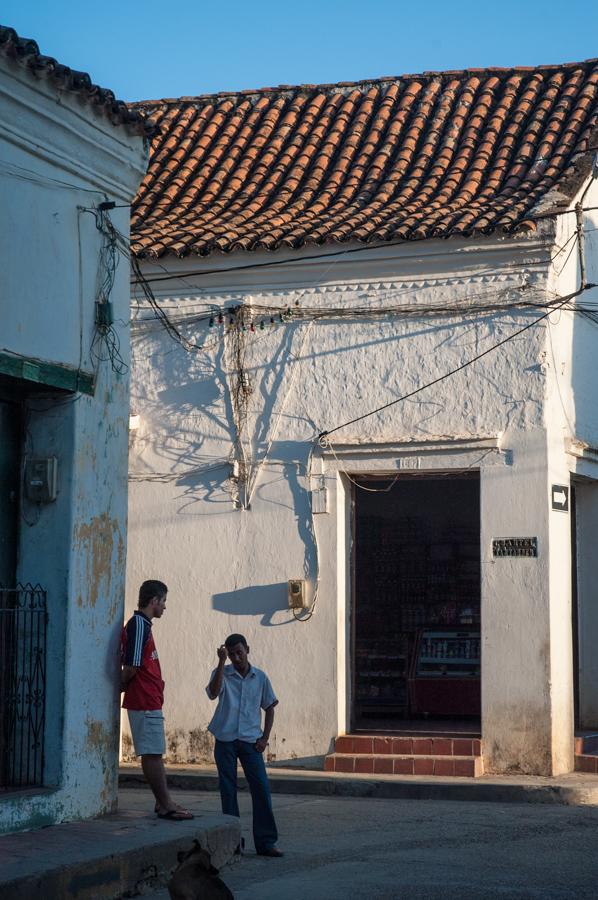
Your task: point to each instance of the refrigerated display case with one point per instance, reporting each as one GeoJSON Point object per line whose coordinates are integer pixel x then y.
{"type": "Point", "coordinates": [444, 678]}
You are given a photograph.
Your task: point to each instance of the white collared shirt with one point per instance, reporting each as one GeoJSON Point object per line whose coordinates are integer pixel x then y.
{"type": "Point", "coordinates": [238, 716]}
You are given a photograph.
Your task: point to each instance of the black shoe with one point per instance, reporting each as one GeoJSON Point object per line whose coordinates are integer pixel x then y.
{"type": "Point", "coordinates": [271, 851]}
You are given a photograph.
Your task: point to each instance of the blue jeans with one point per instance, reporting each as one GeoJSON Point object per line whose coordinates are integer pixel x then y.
{"type": "Point", "coordinates": [226, 754]}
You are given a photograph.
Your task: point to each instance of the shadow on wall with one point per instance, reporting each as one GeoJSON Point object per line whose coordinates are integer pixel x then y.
{"type": "Point", "coordinates": [258, 600]}
{"type": "Point", "coordinates": [183, 401]}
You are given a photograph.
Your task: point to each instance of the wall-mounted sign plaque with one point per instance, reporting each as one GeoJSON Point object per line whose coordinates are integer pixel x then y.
{"type": "Point", "coordinates": [560, 497]}
{"type": "Point", "coordinates": [518, 546]}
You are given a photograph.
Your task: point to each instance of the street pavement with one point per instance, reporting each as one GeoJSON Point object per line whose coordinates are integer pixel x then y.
{"type": "Point", "coordinates": [341, 848]}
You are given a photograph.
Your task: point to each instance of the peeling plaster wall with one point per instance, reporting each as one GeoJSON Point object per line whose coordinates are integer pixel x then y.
{"type": "Point", "coordinates": [74, 547]}
{"type": "Point", "coordinates": [227, 569]}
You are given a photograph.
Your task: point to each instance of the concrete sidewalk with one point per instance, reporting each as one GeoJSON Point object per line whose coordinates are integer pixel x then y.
{"type": "Point", "coordinates": [132, 851]}
{"type": "Point", "coordinates": [111, 857]}
{"type": "Point", "coordinates": [576, 789]}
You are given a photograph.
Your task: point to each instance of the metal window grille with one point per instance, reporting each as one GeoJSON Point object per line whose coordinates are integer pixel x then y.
{"type": "Point", "coordinates": [23, 621]}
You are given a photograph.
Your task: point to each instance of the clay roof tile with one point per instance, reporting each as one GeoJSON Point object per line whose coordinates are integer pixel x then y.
{"type": "Point", "coordinates": [417, 156]}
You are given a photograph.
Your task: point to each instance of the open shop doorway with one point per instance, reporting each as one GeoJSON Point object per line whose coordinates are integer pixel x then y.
{"type": "Point", "coordinates": [416, 603]}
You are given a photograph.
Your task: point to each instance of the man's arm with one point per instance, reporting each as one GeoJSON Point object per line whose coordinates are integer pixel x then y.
{"type": "Point", "coordinates": [135, 638]}
{"type": "Point", "coordinates": [128, 674]}
{"type": "Point", "coordinates": [262, 743]}
{"type": "Point", "coordinates": [216, 680]}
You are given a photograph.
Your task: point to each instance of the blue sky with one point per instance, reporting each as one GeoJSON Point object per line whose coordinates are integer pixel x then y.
{"type": "Point", "coordinates": [151, 49]}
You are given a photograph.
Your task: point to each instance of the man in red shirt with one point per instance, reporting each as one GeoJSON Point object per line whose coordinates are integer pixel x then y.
{"type": "Point", "coordinates": [143, 687]}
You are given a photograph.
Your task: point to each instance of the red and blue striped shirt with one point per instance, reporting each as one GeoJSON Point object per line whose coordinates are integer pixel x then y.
{"type": "Point", "coordinates": [146, 689]}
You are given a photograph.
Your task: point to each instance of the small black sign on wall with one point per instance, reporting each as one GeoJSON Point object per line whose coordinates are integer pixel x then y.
{"type": "Point", "coordinates": [515, 546]}
{"type": "Point", "coordinates": [560, 497]}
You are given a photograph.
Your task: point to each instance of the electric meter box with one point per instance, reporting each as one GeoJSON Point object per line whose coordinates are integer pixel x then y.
{"type": "Point", "coordinates": [297, 593]}
{"type": "Point", "coordinates": [40, 479]}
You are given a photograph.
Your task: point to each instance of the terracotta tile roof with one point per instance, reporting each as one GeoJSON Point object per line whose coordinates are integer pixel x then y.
{"type": "Point", "coordinates": [417, 156]}
{"type": "Point", "coordinates": [25, 52]}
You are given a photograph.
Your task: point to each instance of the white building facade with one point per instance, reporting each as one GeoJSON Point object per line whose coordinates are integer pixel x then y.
{"type": "Point", "coordinates": [407, 431]}
{"type": "Point", "coordinates": [67, 147]}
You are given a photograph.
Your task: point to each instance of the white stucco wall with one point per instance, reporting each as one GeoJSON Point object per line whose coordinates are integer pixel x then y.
{"type": "Point", "coordinates": [572, 421]}
{"type": "Point", "coordinates": [227, 568]}
{"type": "Point", "coordinates": [57, 156]}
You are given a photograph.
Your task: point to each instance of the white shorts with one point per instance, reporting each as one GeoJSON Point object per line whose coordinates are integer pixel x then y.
{"type": "Point", "coordinates": [147, 731]}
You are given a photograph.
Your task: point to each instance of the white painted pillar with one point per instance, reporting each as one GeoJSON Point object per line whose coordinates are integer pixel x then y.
{"type": "Point", "coordinates": [516, 700]}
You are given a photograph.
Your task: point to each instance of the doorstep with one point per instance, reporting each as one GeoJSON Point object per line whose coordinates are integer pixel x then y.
{"type": "Point", "coordinates": [586, 752]}
{"type": "Point", "coordinates": [407, 754]}
{"type": "Point", "coordinates": [391, 764]}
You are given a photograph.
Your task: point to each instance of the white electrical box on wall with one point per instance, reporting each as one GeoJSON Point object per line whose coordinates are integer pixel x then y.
{"type": "Point", "coordinates": [41, 479]}
{"type": "Point", "coordinates": [297, 594]}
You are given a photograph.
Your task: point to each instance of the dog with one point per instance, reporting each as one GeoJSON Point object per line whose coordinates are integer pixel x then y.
{"type": "Point", "coordinates": [195, 878]}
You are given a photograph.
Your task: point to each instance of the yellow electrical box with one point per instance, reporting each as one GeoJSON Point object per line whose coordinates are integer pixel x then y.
{"type": "Point", "coordinates": [297, 593]}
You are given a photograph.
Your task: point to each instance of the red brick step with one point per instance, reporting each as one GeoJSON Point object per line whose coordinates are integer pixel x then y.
{"type": "Point", "coordinates": [408, 745]}
{"type": "Point", "coordinates": [585, 763]}
{"type": "Point", "coordinates": [586, 744]}
{"type": "Point", "coordinates": [586, 753]}
{"type": "Point", "coordinates": [391, 764]}
{"type": "Point", "coordinates": [444, 756]}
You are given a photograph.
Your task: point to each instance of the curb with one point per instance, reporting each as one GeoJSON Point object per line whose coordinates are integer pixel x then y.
{"type": "Point", "coordinates": [401, 789]}
{"type": "Point", "coordinates": [122, 871]}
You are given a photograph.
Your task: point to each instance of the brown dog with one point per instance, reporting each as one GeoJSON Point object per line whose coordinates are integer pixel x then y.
{"type": "Point", "coordinates": [195, 878]}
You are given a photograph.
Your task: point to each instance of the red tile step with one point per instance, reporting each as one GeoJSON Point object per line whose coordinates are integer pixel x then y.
{"type": "Point", "coordinates": [407, 745]}
{"type": "Point", "coordinates": [392, 764]}
{"type": "Point", "coordinates": [586, 744]}
{"type": "Point", "coordinates": [585, 763]}
{"type": "Point", "coordinates": [406, 755]}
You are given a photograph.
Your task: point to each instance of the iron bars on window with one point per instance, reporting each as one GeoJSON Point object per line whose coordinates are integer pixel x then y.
{"type": "Point", "coordinates": [23, 620]}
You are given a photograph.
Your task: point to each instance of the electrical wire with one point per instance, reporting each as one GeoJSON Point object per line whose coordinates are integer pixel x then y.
{"type": "Point", "coordinates": [270, 311]}
{"type": "Point", "coordinates": [167, 477]}
{"type": "Point", "coordinates": [345, 313]}
{"type": "Point", "coordinates": [25, 174]}
{"type": "Point", "coordinates": [362, 487]}
{"type": "Point", "coordinates": [160, 313]}
{"type": "Point", "coordinates": [171, 324]}
{"type": "Point", "coordinates": [320, 256]}
{"type": "Point", "coordinates": [105, 344]}
{"type": "Point", "coordinates": [322, 437]}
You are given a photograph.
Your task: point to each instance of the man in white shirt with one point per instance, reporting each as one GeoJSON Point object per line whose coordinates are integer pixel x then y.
{"type": "Point", "coordinates": [242, 692]}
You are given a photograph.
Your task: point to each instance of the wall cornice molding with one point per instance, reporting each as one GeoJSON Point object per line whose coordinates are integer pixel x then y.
{"type": "Point", "coordinates": [418, 263]}
{"type": "Point", "coordinates": [119, 155]}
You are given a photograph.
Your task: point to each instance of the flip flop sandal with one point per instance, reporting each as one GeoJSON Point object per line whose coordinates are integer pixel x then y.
{"type": "Point", "coordinates": [176, 815]}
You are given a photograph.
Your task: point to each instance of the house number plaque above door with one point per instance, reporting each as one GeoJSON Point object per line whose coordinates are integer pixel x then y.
{"type": "Point", "coordinates": [517, 546]}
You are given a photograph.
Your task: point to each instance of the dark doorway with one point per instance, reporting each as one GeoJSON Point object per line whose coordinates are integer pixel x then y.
{"type": "Point", "coordinates": [574, 610]}
{"type": "Point", "coordinates": [584, 565]}
{"type": "Point", "coordinates": [416, 622]}
{"type": "Point", "coordinates": [10, 435]}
